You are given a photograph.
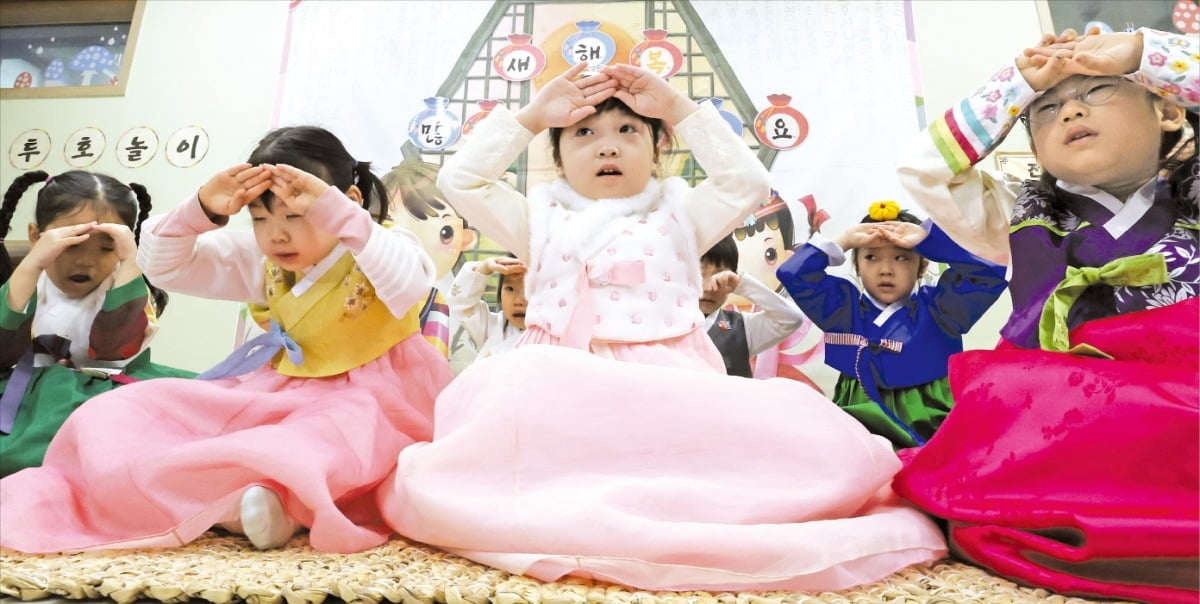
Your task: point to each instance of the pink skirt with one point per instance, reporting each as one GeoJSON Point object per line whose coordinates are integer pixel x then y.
{"type": "Point", "coordinates": [550, 461]}
{"type": "Point", "coordinates": [156, 463]}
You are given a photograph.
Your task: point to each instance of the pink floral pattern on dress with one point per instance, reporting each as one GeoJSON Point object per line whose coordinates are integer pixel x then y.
{"type": "Point", "coordinates": [1170, 64]}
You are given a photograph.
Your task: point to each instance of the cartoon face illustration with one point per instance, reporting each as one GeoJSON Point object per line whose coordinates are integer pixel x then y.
{"type": "Point", "coordinates": [764, 242]}
{"type": "Point", "coordinates": [418, 205]}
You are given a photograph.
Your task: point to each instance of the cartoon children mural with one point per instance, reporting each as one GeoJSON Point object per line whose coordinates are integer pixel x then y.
{"type": "Point", "coordinates": [764, 242]}
{"type": "Point", "coordinates": [417, 204]}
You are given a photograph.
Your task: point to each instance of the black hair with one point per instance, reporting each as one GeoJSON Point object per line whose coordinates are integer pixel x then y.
{"type": "Point", "coordinates": [723, 254]}
{"type": "Point", "coordinates": [73, 191]}
{"type": "Point", "coordinates": [659, 133]}
{"type": "Point", "coordinates": [904, 216]}
{"type": "Point", "coordinates": [320, 153]}
{"type": "Point", "coordinates": [1172, 157]}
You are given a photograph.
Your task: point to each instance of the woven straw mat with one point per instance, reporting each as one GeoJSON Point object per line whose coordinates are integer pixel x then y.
{"type": "Point", "coordinates": [218, 568]}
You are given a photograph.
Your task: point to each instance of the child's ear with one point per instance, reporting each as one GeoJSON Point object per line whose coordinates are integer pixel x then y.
{"type": "Point", "coordinates": [34, 235]}
{"type": "Point", "coordinates": [354, 194]}
{"type": "Point", "coordinates": [921, 268]}
{"type": "Point", "coordinates": [1171, 117]}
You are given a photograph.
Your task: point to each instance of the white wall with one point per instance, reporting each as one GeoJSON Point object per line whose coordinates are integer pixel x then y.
{"type": "Point", "coordinates": [215, 64]}
{"type": "Point", "coordinates": [208, 63]}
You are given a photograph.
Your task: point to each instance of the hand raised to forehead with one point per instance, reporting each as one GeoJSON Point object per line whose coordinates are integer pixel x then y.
{"type": "Point", "coordinates": [565, 101]}
{"type": "Point", "coordinates": [295, 188]}
{"type": "Point", "coordinates": [502, 265]}
{"type": "Point", "coordinates": [859, 235]}
{"type": "Point", "coordinates": [51, 243]}
{"type": "Point", "coordinates": [227, 192]}
{"type": "Point", "coordinates": [122, 236]}
{"type": "Point", "coordinates": [1044, 65]}
{"type": "Point", "coordinates": [647, 94]}
{"type": "Point", "coordinates": [1106, 54]}
{"type": "Point", "coordinates": [903, 234]}
{"type": "Point", "coordinates": [723, 282]}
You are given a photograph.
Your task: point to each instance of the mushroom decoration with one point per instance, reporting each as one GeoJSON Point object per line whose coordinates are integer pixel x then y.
{"type": "Point", "coordinates": [25, 80]}
{"type": "Point", "coordinates": [54, 73]}
{"type": "Point", "coordinates": [93, 60]}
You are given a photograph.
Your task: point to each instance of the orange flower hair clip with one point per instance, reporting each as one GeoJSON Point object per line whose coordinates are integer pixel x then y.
{"type": "Point", "coordinates": [884, 210]}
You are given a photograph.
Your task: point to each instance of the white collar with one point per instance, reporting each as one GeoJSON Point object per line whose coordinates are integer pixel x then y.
{"type": "Point", "coordinates": [886, 311]}
{"type": "Point", "coordinates": [626, 206]}
{"type": "Point", "coordinates": [1125, 214]}
{"type": "Point", "coordinates": [318, 270]}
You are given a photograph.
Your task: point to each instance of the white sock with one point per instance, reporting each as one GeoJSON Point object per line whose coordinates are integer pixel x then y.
{"type": "Point", "coordinates": [264, 520]}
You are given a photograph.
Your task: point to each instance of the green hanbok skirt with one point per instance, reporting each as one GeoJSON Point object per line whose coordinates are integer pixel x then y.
{"type": "Point", "coordinates": [53, 393]}
{"type": "Point", "coordinates": [921, 409]}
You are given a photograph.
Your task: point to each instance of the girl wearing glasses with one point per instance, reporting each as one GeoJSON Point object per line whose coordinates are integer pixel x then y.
{"type": "Point", "coordinates": [1050, 467]}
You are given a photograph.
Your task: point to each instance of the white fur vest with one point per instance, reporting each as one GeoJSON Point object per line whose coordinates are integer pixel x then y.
{"type": "Point", "coordinates": [638, 254]}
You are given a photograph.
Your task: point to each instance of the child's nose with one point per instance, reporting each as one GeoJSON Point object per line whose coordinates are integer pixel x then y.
{"type": "Point", "coordinates": [608, 150]}
{"type": "Point", "coordinates": [1072, 108]}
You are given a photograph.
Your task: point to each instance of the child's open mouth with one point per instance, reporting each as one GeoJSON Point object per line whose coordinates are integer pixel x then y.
{"type": "Point", "coordinates": [1076, 134]}
{"type": "Point", "coordinates": [608, 170]}
{"type": "Point", "coordinates": [79, 278]}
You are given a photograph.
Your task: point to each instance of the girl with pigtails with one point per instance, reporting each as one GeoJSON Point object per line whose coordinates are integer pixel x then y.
{"type": "Point", "coordinates": [299, 426]}
{"type": "Point", "coordinates": [77, 314]}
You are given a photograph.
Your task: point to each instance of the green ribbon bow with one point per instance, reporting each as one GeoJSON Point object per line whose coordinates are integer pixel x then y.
{"type": "Point", "coordinates": [1146, 269]}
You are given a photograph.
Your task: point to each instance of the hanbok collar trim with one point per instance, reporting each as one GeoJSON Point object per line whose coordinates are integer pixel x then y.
{"type": "Point", "coordinates": [639, 204]}
{"type": "Point", "coordinates": [886, 310]}
{"type": "Point", "coordinates": [1124, 215]}
{"type": "Point", "coordinates": [314, 274]}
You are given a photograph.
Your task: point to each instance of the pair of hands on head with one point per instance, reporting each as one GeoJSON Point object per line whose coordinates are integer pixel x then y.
{"type": "Point", "coordinates": [51, 242]}
{"type": "Point", "coordinates": [1056, 58]}
{"type": "Point", "coordinates": [226, 193]}
{"type": "Point", "coordinates": [565, 101]}
{"type": "Point", "coordinates": [900, 234]}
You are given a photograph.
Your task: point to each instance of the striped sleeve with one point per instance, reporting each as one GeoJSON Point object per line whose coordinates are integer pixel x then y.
{"type": "Point", "coordinates": [435, 324]}
{"type": "Point", "coordinates": [973, 127]}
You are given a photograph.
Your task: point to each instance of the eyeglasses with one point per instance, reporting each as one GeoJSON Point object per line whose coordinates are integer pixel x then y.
{"type": "Point", "coordinates": [1089, 92]}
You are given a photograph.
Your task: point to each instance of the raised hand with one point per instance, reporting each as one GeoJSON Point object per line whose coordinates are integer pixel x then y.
{"type": "Point", "coordinates": [649, 95]}
{"type": "Point", "coordinates": [502, 265]}
{"type": "Point", "coordinates": [122, 236]}
{"type": "Point", "coordinates": [903, 234]}
{"type": "Point", "coordinates": [1106, 54]}
{"type": "Point", "coordinates": [723, 283]}
{"type": "Point", "coordinates": [295, 188]}
{"type": "Point", "coordinates": [126, 250]}
{"type": "Point", "coordinates": [565, 101]}
{"type": "Point", "coordinates": [226, 193]}
{"type": "Point", "coordinates": [51, 243]}
{"type": "Point", "coordinates": [859, 235]}
{"type": "Point", "coordinates": [1045, 65]}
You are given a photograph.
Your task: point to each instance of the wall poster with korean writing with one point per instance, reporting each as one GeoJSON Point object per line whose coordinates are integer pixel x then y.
{"type": "Point", "coordinates": [73, 48]}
